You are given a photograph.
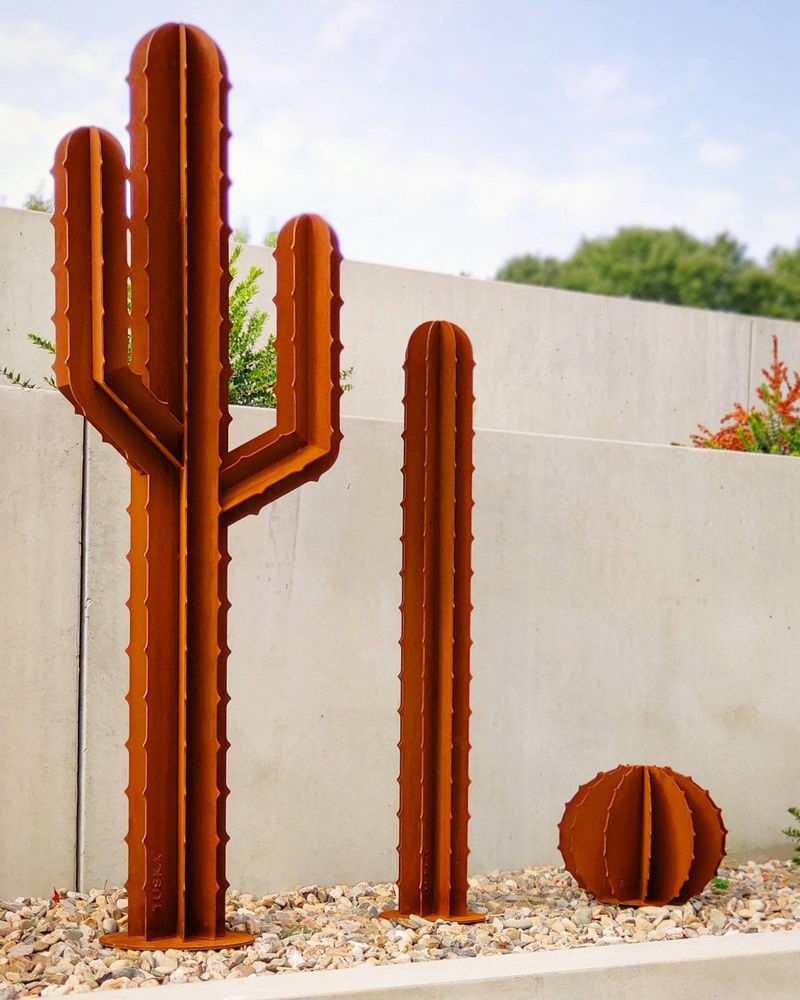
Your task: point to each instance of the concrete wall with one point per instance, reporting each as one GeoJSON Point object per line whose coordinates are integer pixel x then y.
{"type": "Point", "coordinates": [27, 295]}
{"type": "Point", "coordinates": [40, 556]}
{"type": "Point", "coordinates": [633, 603]}
{"type": "Point", "coordinates": [548, 361]}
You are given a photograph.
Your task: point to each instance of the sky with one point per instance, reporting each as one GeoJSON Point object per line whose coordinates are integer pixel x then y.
{"type": "Point", "coordinates": [451, 135]}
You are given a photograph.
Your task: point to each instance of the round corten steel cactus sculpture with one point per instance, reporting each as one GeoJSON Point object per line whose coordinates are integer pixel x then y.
{"type": "Point", "coordinates": [642, 835]}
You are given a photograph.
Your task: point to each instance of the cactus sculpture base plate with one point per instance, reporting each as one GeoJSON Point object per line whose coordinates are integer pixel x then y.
{"type": "Point", "coordinates": [138, 942]}
{"type": "Point", "coordinates": [465, 918]}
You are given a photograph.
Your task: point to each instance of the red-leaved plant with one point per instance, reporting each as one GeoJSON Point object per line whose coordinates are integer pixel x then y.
{"type": "Point", "coordinates": [773, 430]}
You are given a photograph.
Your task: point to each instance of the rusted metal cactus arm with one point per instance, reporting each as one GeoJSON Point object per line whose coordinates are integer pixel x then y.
{"type": "Point", "coordinates": [91, 237]}
{"type": "Point", "coordinates": [305, 441]}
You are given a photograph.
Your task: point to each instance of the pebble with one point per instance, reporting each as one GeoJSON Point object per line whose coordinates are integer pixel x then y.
{"type": "Point", "coordinates": [50, 948]}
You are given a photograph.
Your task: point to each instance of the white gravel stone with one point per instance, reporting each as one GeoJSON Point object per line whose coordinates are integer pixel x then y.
{"type": "Point", "coordinates": [51, 947]}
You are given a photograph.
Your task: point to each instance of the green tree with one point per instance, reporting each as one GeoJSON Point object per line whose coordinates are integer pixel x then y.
{"type": "Point", "coordinates": [785, 268]}
{"type": "Point", "coordinates": [531, 269]}
{"type": "Point", "coordinates": [670, 265]}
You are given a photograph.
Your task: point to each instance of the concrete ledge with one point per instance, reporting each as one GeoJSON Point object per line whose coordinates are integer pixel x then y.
{"type": "Point", "coordinates": [548, 360]}
{"type": "Point", "coordinates": [731, 967]}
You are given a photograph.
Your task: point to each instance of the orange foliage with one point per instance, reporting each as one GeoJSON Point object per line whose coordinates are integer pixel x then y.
{"type": "Point", "coordinates": [782, 412]}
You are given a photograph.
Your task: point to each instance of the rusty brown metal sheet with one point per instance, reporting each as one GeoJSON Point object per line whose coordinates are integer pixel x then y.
{"type": "Point", "coordinates": [435, 643]}
{"type": "Point", "coordinates": [709, 835]}
{"type": "Point", "coordinates": [642, 834]}
{"type": "Point", "coordinates": [159, 395]}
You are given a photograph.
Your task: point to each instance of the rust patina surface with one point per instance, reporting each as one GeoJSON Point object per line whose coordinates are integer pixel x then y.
{"type": "Point", "coordinates": [435, 642]}
{"type": "Point", "coordinates": [154, 382]}
{"type": "Point", "coordinates": [642, 835]}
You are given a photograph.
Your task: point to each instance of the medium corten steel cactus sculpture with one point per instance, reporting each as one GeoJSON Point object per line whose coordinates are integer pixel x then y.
{"type": "Point", "coordinates": [642, 835]}
{"type": "Point", "coordinates": [435, 643]}
{"type": "Point", "coordinates": [155, 384]}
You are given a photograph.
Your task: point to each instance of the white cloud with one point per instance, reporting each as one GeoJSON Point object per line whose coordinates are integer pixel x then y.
{"type": "Point", "coordinates": [714, 153]}
{"type": "Point", "coordinates": [344, 23]}
{"type": "Point", "coordinates": [51, 83]}
{"type": "Point", "coordinates": [30, 141]}
{"type": "Point", "coordinates": [589, 157]}
{"type": "Point", "coordinates": [632, 138]}
{"type": "Point", "coordinates": [598, 80]}
{"type": "Point", "coordinates": [603, 85]}
{"type": "Point", "coordinates": [413, 204]}
{"type": "Point", "coordinates": [28, 46]}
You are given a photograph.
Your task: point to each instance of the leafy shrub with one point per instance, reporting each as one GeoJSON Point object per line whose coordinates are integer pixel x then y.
{"type": "Point", "coordinates": [254, 369]}
{"type": "Point", "coordinates": [794, 833]}
{"type": "Point", "coordinates": [39, 202]}
{"type": "Point", "coordinates": [16, 378]}
{"type": "Point", "coordinates": [773, 429]}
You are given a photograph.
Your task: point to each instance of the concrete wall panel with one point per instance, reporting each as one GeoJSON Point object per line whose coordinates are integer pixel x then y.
{"type": "Point", "coordinates": [40, 542]}
{"type": "Point", "coordinates": [104, 814]}
{"type": "Point", "coordinates": [27, 294]}
{"type": "Point", "coordinates": [314, 637]}
{"type": "Point", "coordinates": [548, 361]}
{"type": "Point", "coordinates": [632, 604]}
{"type": "Point", "coordinates": [312, 579]}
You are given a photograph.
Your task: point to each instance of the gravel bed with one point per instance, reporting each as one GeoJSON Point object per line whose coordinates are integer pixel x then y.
{"type": "Point", "coordinates": [50, 947]}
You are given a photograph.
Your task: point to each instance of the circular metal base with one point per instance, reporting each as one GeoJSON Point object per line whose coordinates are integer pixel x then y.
{"type": "Point", "coordinates": [132, 942]}
{"type": "Point", "coordinates": [463, 918]}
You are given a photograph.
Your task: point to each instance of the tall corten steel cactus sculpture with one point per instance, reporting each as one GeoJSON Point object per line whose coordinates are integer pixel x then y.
{"type": "Point", "coordinates": [160, 396]}
{"type": "Point", "coordinates": [435, 643]}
